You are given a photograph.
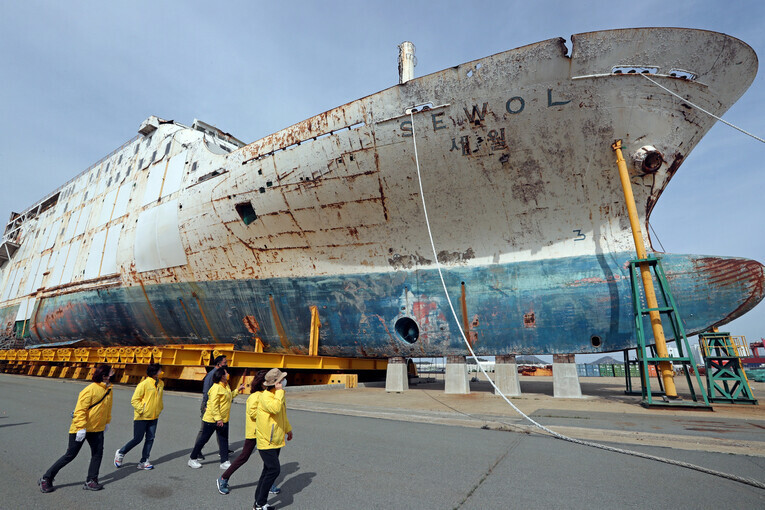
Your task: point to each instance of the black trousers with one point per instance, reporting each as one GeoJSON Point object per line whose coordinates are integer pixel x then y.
{"type": "Point", "coordinates": [202, 428]}
{"type": "Point", "coordinates": [249, 445]}
{"type": "Point", "coordinates": [271, 470]}
{"type": "Point", "coordinates": [142, 428]}
{"type": "Point", "coordinates": [96, 442]}
{"type": "Point", "coordinates": [206, 433]}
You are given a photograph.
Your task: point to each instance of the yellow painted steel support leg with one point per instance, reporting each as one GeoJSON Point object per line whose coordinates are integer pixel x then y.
{"type": "Point", "coordinates": [313, 346]}
{"type": "Point", "coordinates": [667, 375]}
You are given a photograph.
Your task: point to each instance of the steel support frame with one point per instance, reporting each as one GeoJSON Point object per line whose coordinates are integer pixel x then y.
{"type": "Point", "coordinates": [669, 309]}
{"type": "Point", "coordinates": [726, 378]}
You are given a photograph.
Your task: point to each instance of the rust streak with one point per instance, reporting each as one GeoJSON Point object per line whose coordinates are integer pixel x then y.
{"type": "Point", "coordinates": [277, 321]}
{"type": "Point", "coordinates": [189, 317]}
{"type": "Point", "coordinates": [749, 273]}
{"type": "Point", "coordinates": [153, 312]}
{"type": "Point", "coordinates": [379, 181]}
{"type": "Point", "coordinates": [207, 323]}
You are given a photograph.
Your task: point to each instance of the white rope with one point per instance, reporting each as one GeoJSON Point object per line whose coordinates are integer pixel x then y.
{"type": "Point", "coordinates": [747, 481]}
{"type": "Point", "coordinates": [702, 109]}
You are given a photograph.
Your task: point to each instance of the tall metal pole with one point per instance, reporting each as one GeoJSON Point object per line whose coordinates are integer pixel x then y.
{"type": "Point", "coordinates": [665, 367]}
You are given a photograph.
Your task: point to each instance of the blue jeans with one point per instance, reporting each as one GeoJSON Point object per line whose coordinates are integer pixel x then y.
{"type": "Point", "coordinates": [142, 428]}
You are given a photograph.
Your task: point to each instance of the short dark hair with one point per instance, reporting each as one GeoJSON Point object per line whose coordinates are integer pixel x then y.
{"type": "Point", "coordinates": [153, 369]}
{"type": "Point", "coordinates": [218, 375]}
{"type": "Point", "coordinates": [101, 372]}
{"type": "Point", "coordinates": [257, 381]}
{"type": "Point", "coordinates": [217, 361]}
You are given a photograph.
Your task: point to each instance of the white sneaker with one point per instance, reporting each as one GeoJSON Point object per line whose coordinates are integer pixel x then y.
{"type": "Point", "coordinates": [145, 465]}
{"type": "Point", "coordinates": [118, 459]}
{"type": "Point", "coordinates": [225, 465]}
{"type": "Point", "coordinates": [194, 463]}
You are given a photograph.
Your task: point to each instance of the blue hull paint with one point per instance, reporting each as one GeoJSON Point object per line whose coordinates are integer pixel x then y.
{"type": "Point", "coordinates": [542, 307]}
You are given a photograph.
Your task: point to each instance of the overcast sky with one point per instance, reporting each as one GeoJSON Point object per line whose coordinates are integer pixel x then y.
{"type": "Point", "coordinates": [79, 77]}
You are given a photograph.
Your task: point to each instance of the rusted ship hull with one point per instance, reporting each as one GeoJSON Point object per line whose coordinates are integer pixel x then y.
{"type": "Point", "coordinates": [185, 235]}
{"type": "Point", "coordinates": [555, 300]}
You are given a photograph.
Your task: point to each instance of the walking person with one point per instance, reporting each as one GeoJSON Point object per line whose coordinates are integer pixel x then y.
{"type": "Point", "coordinates": [272, 426]}
{"type": "Point", "coordinates": [216, 418]}
{"type": "Point", "coordinates": [147, 404]}
{"type": "Point", "coordinates": [218, 362]}
{"type": "Point", "coordinates": [90, 420]}
{"type": "Point", "coordinates": [250, 441]}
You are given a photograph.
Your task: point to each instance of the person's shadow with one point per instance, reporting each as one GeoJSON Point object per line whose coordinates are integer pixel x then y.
{"type": "Point", "coordinates": [289, 486]}
{"type": "Point", "coordinates": [122, 472]}
{"type": "Point", "coordinates": [15, 424]}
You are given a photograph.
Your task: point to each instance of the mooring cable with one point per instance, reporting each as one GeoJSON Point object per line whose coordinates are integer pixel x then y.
{"type": "Point", "coordinates": [702, 109]}
{"type": "Point", "coordinates": [747, 481]}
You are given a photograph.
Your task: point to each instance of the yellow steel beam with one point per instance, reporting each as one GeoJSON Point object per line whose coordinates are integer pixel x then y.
{"type": "Point", "coordinates": [667, 374]}
{"type": "Point", "coordinates": [182, 362]}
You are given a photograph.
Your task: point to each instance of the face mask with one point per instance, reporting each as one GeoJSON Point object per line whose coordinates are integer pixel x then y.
{"type": "Point", "coordinates": [284, 383]}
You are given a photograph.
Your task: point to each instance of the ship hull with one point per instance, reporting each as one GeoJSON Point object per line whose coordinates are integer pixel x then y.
{"type": "Point", "coordinates": [539, 307]}
{"type": "Point", "coordinates": [183, 235]}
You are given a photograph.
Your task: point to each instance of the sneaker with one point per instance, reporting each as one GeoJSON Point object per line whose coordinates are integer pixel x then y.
{"type": "Point", "coordinates": [118, 459]}
{"type": "Point", "coordinates": [223, 486]}
{"type": "Point", "coordinates": [194, 463]}
{"type": "Point", "coordinates": [264, 507]}
{"type": "Point", "coordinates": [274, 490]}
{"type": "Point", "coordinates": [46, 485]}
{"type": "Point", "coordinates": [200, 457]}
{"type": "Point", "coordinates": [92, 485]}
{"type": "Point", "coordinates": [145, 465]}
{"type": "Point", "coordinates": [225, 465]}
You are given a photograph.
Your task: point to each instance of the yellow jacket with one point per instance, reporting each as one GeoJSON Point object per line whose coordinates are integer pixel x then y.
{"type": "Point", "coordinates": [95, 418]}
{"type": "Point", "coordinates": [147, 399]}
{"type": "Point", "coordinates": [219, 403]}
{"type": "Point", "coordinates": [251, 413]}
{"type": "Point", "coordinates": [272, 423]}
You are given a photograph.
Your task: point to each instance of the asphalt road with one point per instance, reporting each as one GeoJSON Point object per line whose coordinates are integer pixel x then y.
{"type": "Point", "coordinates": [345, 462]}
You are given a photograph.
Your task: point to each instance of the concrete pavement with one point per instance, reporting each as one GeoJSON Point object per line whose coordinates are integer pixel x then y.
{"type": "Point", "coordinates": [368, 449]}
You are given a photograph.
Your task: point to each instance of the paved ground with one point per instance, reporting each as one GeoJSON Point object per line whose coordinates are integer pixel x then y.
{"type": "Point", "coordinates": [367, 449]}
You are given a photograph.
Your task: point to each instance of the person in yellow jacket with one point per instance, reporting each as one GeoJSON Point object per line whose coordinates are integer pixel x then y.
{"type": "Point", "coordinates": [90, 419]}
{"type": "Point", "coordinates": [271, 428]}
{"type": "Point", "coordinates": [215, 419]}
{"type": "Point", "coordinates": [251, 409]}
{"type": "Point", "coordinates": [147, 404]}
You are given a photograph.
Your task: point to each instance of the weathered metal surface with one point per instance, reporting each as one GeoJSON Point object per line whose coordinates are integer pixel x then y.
{"type": "Point", "coordinates": [520, 139]}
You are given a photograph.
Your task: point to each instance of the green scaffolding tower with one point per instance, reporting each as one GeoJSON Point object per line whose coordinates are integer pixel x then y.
{"type": "Point", "coordinates": [667, 309]}
{"type": "Point", "coordinates": [726, 379]}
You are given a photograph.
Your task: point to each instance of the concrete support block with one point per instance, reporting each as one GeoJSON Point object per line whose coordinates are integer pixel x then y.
{"type": "Point", "coordinates": [396, 379]}
{"type": "Point", "coordinates": [565, 378]}
{"type": "Point", "coordinates": [456, 376]}
{"type": "Point", "coordinates": [506, 375]}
